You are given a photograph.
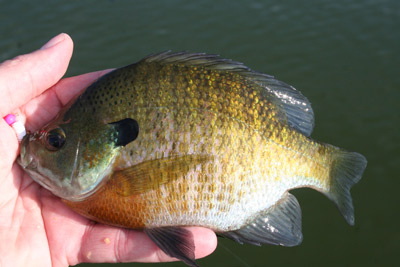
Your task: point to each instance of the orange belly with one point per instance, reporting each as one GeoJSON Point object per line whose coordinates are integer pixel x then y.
{"type": "Point", "coordinates": [108, 206]}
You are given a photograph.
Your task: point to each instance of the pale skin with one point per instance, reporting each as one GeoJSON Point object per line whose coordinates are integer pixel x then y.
{"type": "Point", "coordinates": [36, 228]}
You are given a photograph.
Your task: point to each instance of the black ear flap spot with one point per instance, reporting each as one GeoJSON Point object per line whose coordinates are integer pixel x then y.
{"type": "Point", "coordinates": [127, 130]}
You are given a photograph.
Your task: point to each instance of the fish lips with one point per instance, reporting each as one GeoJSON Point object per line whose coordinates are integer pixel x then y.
{"type": "Point", "coordinates": [25, 159]}
{"type": "Point", "coordinates": [28, 162]}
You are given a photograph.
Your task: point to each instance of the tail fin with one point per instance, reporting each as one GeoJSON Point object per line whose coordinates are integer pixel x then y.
{"type": "Point", "coordinates": [346, 170]}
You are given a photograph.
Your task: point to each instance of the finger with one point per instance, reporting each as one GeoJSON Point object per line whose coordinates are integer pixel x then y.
{"type": "Point", "coordinates": [68, 88]}
{"type": "Point", "coordinates": [44, 107]}
{"type": "Point", "coordinates": [102, 243]}
{"type": "Point", "coordinates": [27, 76]}
{"type": "Point", "coordinates": [92, 242]}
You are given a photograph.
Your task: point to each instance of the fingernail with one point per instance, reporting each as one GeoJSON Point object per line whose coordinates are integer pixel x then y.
{"type": "Point", "coordinates": [55, 40]}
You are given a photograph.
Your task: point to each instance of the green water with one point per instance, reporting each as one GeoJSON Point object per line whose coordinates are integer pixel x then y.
{"type": "Point", "coordinates": [343, 55]}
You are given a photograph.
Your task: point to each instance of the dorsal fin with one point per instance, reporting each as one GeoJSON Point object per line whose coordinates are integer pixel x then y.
{"type": "Point", "coordinates": [297, 108]}
{"type": "Point", "coordinates": [294, 105]}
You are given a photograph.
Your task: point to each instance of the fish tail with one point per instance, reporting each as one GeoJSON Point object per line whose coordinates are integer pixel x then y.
{"type": "Point", "coordinates": [346, 170]}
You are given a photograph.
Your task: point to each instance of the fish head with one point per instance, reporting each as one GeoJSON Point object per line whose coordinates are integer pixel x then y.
{"type": "Point", "coordinates": [72, 156]}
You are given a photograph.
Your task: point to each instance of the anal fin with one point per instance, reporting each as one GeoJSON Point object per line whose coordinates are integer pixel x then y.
{"type": "Point", "coordinates": [176, 242]}
{"type": "Point", "coordinates": [278, 225]}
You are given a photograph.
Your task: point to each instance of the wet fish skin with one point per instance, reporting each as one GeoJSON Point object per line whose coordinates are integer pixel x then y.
{"type": "Point", "coordinates": [216, 145]}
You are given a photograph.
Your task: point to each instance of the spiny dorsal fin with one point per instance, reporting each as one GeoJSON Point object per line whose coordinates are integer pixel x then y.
{"type": "Point", "coordinates": [278, 225]}
{"type": "Point", "coordinates": [151, 174]}
{"type": "Point", "coordinates": [294, 105]}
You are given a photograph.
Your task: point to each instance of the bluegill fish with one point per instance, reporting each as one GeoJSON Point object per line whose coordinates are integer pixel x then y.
{"type": "Point", "coordinates": [181, 139]}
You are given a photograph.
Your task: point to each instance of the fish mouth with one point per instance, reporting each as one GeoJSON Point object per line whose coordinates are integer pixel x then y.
{"type": "Point", "coordinates": [44, 181]}
{"type": "Point", "coordinates": [25, 159]}
{"type": "Point", "coordinates": [28, 162]}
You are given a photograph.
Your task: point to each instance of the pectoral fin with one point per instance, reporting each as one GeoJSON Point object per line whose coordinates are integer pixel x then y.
{"type": "Point", "coordinates": [278, 225]}
{"type": "Point", "coordinates": [175, 242]}
{"type": "Point", "coordinates": [151, 174]}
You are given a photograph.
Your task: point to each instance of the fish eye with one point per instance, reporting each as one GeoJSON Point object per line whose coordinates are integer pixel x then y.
{"type": "Point", "coordinates": [55, 139]}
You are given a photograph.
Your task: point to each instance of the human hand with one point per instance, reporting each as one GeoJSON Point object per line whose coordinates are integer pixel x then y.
{"type": "Point", "coordinates": [36, 228]}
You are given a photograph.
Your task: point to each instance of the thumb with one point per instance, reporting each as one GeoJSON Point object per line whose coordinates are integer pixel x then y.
{"type": "Point", "coordinates": [27, 76]}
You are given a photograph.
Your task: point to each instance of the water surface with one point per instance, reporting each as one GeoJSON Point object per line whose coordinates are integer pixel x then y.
{"type": "Point", "coordinates": [343, 55]}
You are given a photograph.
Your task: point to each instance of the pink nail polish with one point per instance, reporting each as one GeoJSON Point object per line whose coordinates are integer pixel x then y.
{"type": "Point", "coordinates": [18, 127]}
{"type": "Point", "coordinates": [10, 119]}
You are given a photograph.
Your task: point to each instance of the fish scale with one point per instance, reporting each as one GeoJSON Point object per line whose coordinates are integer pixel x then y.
{"type": "Point", "coordinates": [228, 147]}
{"type": "Point", "coordinates": [181, 139]}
